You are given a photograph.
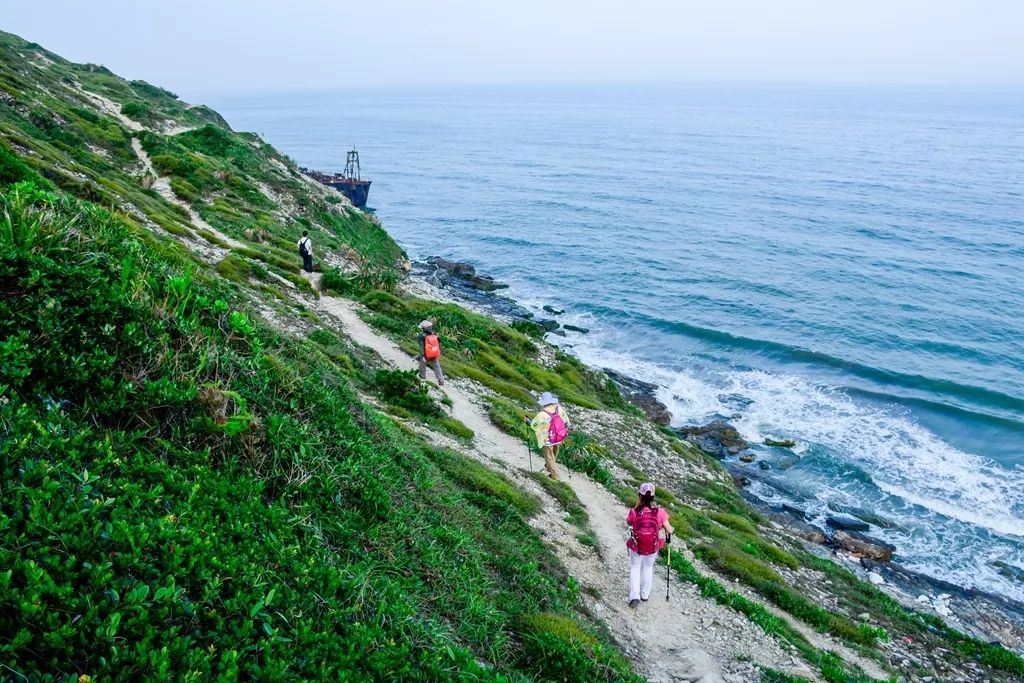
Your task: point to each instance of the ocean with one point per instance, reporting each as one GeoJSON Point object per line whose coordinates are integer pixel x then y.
{"type": "Point", "coordinates": [836, 265]}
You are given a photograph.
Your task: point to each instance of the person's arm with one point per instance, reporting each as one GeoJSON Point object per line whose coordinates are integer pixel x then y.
{"type": "Point", "coordinates": [666, 525]}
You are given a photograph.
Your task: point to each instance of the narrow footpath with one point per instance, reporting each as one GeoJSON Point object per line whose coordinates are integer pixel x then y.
{"type": "Point", "coordinates": [688, 638]}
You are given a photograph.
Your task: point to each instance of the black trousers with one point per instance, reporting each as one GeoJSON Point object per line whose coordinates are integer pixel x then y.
{"type": "Point", "coordinates": [307, 263]}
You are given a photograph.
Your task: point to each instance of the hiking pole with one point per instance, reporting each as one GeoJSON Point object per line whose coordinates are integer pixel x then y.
{"type": "Point", "coordinates": [668, 569]}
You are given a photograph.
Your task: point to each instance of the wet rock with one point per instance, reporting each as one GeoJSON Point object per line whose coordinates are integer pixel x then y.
{"type": "Point", "coordinates": [549, 325]}
{"type": "Point", "coordinates": [795, 511]}
{"type": "Point", "coordinates": [747, 457]}
{"type": "Point", "coordinates": [642, 395]}
{"type": "Point", "coordinates": [1009, 571]}
{"type": "Point", "coordinates": [764, 465]}
{"type": "Point", "coordinates": [553, 311]}
{"type": "Point", "coordinates": [846, 523]}
{"type": "Point", "coordinates": [780, 443]}
{"type": "Point", "coordinates": [574, 328]}
{"type": "Point", "coordinates": [860, 545]}
{"type": "Point", "coordinates": [717, 438]}
{"type": "Point", "coordinates": [466, 274]}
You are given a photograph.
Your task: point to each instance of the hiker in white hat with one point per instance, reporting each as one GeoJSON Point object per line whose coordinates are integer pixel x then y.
{"type": "Point", "coordinates": [430, 352]}
{"type": "Point", "coordinates": [551, 427]}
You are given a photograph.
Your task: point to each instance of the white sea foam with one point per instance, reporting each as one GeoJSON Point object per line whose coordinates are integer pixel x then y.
{"type": "Point", "coordinates": [953, 491]}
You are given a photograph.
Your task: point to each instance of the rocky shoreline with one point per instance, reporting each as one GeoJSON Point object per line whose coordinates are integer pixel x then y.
{"type": "Point", "coordinates": [843, 536]}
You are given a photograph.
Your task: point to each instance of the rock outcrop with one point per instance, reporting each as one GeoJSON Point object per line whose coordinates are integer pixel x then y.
{"type": "Point", "coordinates": [717, 438]}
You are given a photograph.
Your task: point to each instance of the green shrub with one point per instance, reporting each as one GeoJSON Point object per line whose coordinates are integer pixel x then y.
{"type": "Point", "coordinates": [403, 388]}
{"type": "Point", "coordinates": [140, 111]}
{"type": "Point", "coordinates": [184, 189]}
{"type": "Point", "coordinates": [559, 649]}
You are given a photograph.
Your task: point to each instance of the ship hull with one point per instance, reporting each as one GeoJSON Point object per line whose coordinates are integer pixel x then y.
{"type": "Point", "coordinates": [357, 191]}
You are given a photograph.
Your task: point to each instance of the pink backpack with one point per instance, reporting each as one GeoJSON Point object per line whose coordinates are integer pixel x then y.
{"type": "Point", "coordinates": [645, 531]}
{"type": "Point", "coordinates": [557, 431]}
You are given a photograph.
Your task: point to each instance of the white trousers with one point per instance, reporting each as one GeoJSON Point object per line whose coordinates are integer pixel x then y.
{"type": "Point", "coordinates": [641, 575]}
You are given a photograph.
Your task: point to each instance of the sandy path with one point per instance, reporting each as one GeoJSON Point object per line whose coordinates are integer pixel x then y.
{"type": "Point", "coordinates": [688, 638]}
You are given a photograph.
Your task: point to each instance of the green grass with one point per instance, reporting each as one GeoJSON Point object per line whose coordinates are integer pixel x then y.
{"type": "Point", "coordinates": [487, 351]}
{"type": "Point", "coordinates": [178, 477]}
{"type": "Point", "coordinates": [566, 497]}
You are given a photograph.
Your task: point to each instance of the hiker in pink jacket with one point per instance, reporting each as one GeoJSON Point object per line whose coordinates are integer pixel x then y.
{"type": "Point", "coordinates": [645, 520]}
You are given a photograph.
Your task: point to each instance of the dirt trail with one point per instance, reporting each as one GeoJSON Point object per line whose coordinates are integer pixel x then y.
{"type": "Point", "coordinates": [688, 638]}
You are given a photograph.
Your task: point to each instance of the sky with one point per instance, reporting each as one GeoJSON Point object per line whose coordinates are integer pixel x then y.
{"type": "Point", "coordinates": [197, 47]}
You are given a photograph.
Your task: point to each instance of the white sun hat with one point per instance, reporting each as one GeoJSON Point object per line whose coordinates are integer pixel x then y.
{"type": "Point", "coordinates": [547, 398]}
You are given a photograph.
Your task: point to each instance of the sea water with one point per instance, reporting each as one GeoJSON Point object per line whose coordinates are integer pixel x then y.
{"type": "Point", "coordinates": [839, 266]}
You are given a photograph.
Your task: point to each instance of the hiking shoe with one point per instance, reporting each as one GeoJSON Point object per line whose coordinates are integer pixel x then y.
{"type": "Point", "coordinates": [633, 603]}
{"type": "Point", "coordinates": [644, 599]}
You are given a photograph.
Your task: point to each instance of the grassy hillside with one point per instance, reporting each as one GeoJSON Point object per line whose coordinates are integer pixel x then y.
{"type": "Point", "coordinates": [188, 493]}
{"type": "Point", "coordinates": [189, 490]}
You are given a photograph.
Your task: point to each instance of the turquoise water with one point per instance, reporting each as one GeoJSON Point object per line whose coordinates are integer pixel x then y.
{"type": "Point", "coordinates": [838, 266]}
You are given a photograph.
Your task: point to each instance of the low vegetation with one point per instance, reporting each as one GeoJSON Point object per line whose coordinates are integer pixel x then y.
{"type": "Point", "coordinates": [188, 494]}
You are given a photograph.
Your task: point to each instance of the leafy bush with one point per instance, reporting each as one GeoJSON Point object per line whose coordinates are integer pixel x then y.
{"type": "Point", "coordinates": [403, 388]}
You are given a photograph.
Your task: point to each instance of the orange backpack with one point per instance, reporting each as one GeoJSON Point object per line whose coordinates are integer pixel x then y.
{"type": "Point", "coordinates": [431, 347]}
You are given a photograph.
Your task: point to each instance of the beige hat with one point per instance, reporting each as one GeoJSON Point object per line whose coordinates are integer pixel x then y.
{"type": "Point", "coordinates": [426, 324]}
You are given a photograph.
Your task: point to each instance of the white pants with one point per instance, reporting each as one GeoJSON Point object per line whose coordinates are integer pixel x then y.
{"type": "Point", "coordinates": [641, 575]}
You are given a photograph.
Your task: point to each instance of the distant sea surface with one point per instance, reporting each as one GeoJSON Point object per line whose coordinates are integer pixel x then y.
{"type": "Point", "coordinates": [840, 266]}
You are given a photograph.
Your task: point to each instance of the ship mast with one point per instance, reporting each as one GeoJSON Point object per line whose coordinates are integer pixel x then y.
{"type": "Point", "coordinates": [352, 165]}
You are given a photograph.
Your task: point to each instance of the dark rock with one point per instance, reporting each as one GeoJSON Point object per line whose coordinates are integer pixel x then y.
{"type": "Point", "coordinates": [454, 268]}
{"type": "Point", "coordinates": [716, 438]}
{"type": "Point", "coordinates": [558, 333]}
{"type": "Point", "coordinates": [780, 443]}
{"type": "Point", "coordinates": [1009, 571]}
{"type": "Point", "coordinates": [549, 325]}
{"type": "Point", "coordinates": [465, 274]}
{"type": "Point", "coordinates": [764, 465]}
{"type": "Point", "coordinates": [574, 328]}
{"type": "Point", "coordinates": [846, 523]}
{"type": "Point", "coordinates": [742, 482]}
{"type": "Point", "coordinates": [487, 283]}
{"type": "Point", "coordinates": [794, 510]}
{"type": "Point", "coordinates": [747, 457]}
{"type": "Point", "coordinates": [642, 395]}
{"type": "Point", "coordinates": [863, 546]}
{"type": "Point", "coordinates": [553, 311]}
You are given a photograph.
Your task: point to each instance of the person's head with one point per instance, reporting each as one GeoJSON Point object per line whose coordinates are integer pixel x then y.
{"type": "Point", "coordinates": [305, 233]}
{"type": "Point", "coordinates": [547, 399]}
{"type": "Point", "coordinates": [427, 325]}
{"type": "Point", "coordinates": [645, 495]}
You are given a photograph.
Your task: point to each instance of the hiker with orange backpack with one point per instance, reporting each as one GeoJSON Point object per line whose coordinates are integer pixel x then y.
{"type": "Point", "coordinates": [645, 520]}
{"type": "Point", "coordinates": [430, 352]}
{"type": "Point", "coordinates": [551, 427]}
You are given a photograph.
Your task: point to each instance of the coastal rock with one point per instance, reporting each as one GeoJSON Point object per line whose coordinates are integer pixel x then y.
{"type": "Point", "coordinates": [1009, 571]}
{"type": "Point", "coordinates": [780, 443]}
{"type": "Point", "coordinates": [574, 328]}
{"type": "Point", "coordinates": [465, 273]}
{"type": "Point", "coordinates": [862, 546]}
{"type": "Point", "coordinates": [764, 465]}
{"type": "Point", "coordinates": [747, 457]}
{"type": "Point", "coordinates": [549, 325]}
{"type": "Point", "coordinates": [717, 438]}
{"type": "Point", "coordinates": [552, 310]}
{"type": "Point", "coordinates": [642, 395]}
{"type": "Point", "coordinates": [846, 523]}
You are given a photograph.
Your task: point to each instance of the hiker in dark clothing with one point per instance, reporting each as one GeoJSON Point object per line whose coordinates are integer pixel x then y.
{"type": "Point", "coordinates": [430, 352]}
{"type": "Point", "coordinates": [306, 251]}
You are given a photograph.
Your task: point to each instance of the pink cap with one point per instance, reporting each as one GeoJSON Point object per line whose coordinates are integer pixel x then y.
{"type": "Point", "coordinates": [646, 488]}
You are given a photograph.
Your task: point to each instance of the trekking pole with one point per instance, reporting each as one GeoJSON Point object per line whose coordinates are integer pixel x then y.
{"type": "Point", "coordinates": [668, 570]}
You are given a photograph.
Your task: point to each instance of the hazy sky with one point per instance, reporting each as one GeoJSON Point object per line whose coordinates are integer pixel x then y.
{"type": "Point", "coordinates": [196, 47]}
